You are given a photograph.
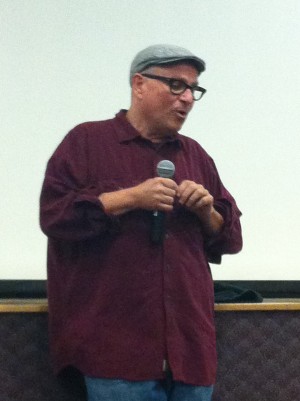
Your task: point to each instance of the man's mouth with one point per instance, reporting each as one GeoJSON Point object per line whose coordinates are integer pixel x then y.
{"type": "Point", "coordinates": [181, 114]}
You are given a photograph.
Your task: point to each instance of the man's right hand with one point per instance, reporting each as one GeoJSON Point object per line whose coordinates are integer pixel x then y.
{"type": "Point", "coordinates": [156, 194]}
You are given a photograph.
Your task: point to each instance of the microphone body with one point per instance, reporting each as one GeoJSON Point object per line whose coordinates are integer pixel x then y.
{"type": "Point", "coordinates": [165, 169]}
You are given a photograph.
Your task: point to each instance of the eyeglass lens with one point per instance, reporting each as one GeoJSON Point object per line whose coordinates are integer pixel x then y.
{"type": "Point", "coordinates": [177, 87]}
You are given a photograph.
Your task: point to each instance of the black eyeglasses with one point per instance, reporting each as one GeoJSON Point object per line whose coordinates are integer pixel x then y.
{"type": "Point", "coordinates": [177, 86]}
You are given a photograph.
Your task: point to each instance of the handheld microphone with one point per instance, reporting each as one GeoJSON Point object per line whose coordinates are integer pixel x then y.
{"type": "Point", "coordinates": [165, 169]}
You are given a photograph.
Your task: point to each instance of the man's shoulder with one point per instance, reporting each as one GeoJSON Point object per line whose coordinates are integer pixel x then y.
{"type": "Point", "coordinates": [89, 133]}
{"type": "Point", "coordinates": [90, 126]}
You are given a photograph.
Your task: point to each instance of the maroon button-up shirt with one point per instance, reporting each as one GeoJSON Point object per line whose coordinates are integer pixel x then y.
{"type": "Point", "coordinates": [119, 305]}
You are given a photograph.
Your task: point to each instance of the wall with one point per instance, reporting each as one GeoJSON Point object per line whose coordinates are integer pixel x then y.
{"type": "Point", "coordinates": [64, 62]}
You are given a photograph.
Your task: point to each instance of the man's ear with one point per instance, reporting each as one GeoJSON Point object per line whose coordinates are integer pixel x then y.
{"type": "Point", "coordinates": [137, 85]}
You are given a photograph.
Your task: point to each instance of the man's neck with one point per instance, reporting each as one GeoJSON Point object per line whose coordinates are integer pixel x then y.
{"type": "Point", "coordinates": [145, 130]}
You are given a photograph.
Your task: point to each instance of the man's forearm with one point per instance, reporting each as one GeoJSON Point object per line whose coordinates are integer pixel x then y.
{"type": "Point", "coordinates": [212, 223]}
{"type": "Point", "coordinates": [118, 202]}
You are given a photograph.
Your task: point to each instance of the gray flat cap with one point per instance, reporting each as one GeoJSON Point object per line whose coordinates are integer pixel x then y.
{"type": "Point", "coordinates": [163, 54]}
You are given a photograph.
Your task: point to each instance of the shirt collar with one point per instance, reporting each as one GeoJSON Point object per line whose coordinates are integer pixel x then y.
{"type": "Point", "coordinates": [128, 133]}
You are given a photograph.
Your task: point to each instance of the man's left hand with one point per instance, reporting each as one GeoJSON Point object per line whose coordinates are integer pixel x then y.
{"type": "Point", "coordinates": [198, 200]}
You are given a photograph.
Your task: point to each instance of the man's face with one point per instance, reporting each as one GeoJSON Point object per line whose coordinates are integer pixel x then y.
{"type": "Point", "coordinates": [164, 111]}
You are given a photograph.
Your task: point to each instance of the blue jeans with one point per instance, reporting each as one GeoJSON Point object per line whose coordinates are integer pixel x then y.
{"type": "Point", "coordinates": [164, 390]}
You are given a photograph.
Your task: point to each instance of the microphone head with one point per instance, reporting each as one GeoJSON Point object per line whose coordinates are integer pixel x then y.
{"type": "Point", "coordinates": [165, 169]}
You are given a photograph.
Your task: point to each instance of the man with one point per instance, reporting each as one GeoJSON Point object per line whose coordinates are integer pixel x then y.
{"type": "Point", "coordinates": [132, 313]}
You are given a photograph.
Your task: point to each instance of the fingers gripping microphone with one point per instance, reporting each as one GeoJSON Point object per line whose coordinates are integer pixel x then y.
{"type": "Point", "coordinates": [165, 169]}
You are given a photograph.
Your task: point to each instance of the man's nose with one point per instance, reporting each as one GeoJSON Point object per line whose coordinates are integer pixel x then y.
{"type": "Point", "coordinates": [187, 96]}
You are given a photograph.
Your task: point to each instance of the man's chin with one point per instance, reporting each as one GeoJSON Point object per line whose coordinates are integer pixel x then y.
{"type": "Point", "coordinates": [178, 125]}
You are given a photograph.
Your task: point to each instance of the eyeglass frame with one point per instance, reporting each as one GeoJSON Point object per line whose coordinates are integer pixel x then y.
{"type": "Point", "coordinates": [169, 81]}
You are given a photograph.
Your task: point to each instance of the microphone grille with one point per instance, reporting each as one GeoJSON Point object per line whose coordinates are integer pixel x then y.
{"type": "Point", "coordinates": [165, 169]}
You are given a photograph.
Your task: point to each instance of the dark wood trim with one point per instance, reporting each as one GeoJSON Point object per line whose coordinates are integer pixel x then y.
{"type": "Point", "coordinates": [23, 289]}
{"type": "Point", "coordinates": [267, 289]}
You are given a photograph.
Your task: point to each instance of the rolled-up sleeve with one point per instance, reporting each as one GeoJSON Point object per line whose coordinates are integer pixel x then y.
{"type": "Point", "coordinates": [229, 239]}
{"type": "Point", "coordinates": [69, 205]}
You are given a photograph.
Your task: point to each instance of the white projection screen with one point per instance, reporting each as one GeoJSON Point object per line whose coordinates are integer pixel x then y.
{"type": "Point", "coordinates": [64, 62]}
